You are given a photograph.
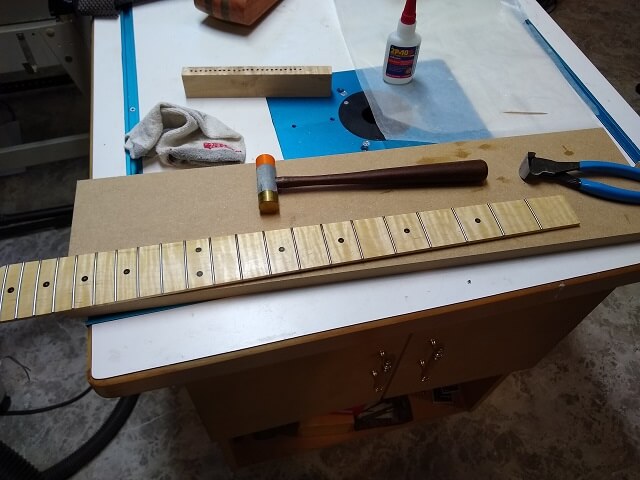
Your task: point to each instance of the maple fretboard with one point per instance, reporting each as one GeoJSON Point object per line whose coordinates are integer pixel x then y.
{"type": "Point", "coordinates": [66, 284]}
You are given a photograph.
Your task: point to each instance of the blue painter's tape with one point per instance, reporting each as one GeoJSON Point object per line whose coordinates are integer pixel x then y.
{"type": "Point", "coordinates": [130, 82]}
{"type": "Point", "coordinates": [135, 313]}
{"type": "Point", "coordinates": [131, 116]}
{"type": "Point", "coordinates": [592, 102]}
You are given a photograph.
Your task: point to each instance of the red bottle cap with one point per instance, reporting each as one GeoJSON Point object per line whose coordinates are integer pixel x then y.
{"type": "Point", "coordinates": [409, 13]}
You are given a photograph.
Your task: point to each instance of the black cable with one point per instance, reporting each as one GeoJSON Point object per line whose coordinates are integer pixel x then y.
{"type": "Point", "coordinates": [48, 408]}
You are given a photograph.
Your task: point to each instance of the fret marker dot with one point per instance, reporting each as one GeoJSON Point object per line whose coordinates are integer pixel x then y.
{"type": "Point", "coordinates": [85, 278]}
{"type": "Point", "coordinates": [478, 220]}
{"type": "Point", "coordinates": [281, 249]}
{"type": "Point", "coordinates": [341, 240]}
{"type": "Point", "coordinates": [406, 230]}
{"type": "Point", "coordinates": [199, 273]}
{"type": "Point", "coordinates": [46, 284]}
{"type": "Point", "coordinates": [126, 271]}
{"type": "Point", "coordinates": [10, 290]}
{"type": "Point", "coordinates": [198, 249]}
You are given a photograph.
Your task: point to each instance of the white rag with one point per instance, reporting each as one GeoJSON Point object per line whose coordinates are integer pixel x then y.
{"type": "Point", "coordinates": [182, 136]}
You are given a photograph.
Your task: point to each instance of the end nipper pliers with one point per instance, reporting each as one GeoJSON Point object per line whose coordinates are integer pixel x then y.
{"type": "Point", "coordinates": [534, 169]}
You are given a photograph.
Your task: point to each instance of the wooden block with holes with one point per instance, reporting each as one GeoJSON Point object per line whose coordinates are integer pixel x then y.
{"type": "Point", "coordinates": [274, 81]}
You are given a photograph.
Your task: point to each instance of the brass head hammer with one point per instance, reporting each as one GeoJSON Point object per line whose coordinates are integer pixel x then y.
{"type": "Point", "coordinates": [465, 172]}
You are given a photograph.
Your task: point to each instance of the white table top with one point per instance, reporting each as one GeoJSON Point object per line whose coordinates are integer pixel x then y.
{"type": "Point", "coordinates": [180, 32]}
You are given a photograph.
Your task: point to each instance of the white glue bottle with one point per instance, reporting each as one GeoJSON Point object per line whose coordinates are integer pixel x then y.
{"type": "Point", "coordinates": [403, 45]}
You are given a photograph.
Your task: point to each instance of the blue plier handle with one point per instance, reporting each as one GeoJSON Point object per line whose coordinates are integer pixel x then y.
{"type": "Point", "coordinates": [535, 168]}
{"type": "Point", "coordinates": [603, 190]}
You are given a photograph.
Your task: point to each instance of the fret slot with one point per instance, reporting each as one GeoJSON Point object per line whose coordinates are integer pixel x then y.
{"type": "Point", "coordinates": [84, 281]}
{"type": "Point", "coordinates": [373, 237]}
{"type": "Point", "coordinates": [442, 227]}
{"type": "Point", "coordinates": [553, 212]}
{"type": "Point", "coordinates": [10, 292]}
{"type": "Point", "coordinates": [3, 278]}
{"type": "Point", "coordinates": [126, 274]}
{"type": "Point", "coordinates": [64, 284]}
{"type": "Point", "coordinates": [515, 217]}
{"type": "Point", "coordinates": [173, 272]}
{"type": "Point", "coordinates": [225, 259]}
{"type": "Point", "coordinates": [44, 296]}
{"type": "Point", "coordinates": [27, 290]}
{"type": "Point", "coordinates": [149, 270]}
{"type": "Point", "coordinates": [478, 223]}
{"type": "Point", "coordinates": [407, 233]}
{"type": "Point", "coordinates": [282, 251]}
{"type": "Point", "coordinates": [342, 243]}
{"type": "Point", "coordinates": [105, 278]}
{"type": "Point", "coordinates": [199, 263]}
{"type": "Point", "coordinates": [253, 260]}
{"type": "Point", "coordinates": [311, 249]}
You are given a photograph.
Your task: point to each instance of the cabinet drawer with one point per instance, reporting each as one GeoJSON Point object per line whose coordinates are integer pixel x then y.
{"type": "Point", "coordinates": [280, 393]}
{"type": "Point", "coordinates": [480, 348]}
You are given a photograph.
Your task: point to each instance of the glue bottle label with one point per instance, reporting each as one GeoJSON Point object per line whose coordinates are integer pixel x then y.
{"type": "Point", "coordinates": [401, 61]}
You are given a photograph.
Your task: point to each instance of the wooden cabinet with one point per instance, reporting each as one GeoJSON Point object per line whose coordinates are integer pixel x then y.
{"type": "Point", "coordinates": [469, 349]}
{"type": "Point", "coordinates": [404, 356]}
{"type": "Point", "coordinates": [284, 392]}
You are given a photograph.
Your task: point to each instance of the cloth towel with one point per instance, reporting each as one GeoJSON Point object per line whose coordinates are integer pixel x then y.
{"type": "Point", "coordinates": [181, 136]}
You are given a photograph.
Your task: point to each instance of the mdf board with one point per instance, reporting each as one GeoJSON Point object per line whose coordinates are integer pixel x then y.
{"type": "Point", "coordinates": [218, 201]}
{"type": "Point", "coordinates": [469, 350]}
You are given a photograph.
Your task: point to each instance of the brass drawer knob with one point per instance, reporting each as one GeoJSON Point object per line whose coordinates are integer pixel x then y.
{"type": "Point", "coordinates": [377, 386]}
{"type": "Point", "coordinates": [437, 352]}
{"type": "Point", "coordinates": [379, 375]}
{"type": "Point", "coordinates": [385, 362]}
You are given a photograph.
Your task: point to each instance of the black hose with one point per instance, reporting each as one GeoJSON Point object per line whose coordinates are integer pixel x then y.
{"type": "Point", "coordinates": [43, 213]}
{"type": "Point", "coordinates": [14, 467]}
{"type": "Point", "coordinates": [91, 448]}
{"type": "Point", "coordinates": [25, 222]}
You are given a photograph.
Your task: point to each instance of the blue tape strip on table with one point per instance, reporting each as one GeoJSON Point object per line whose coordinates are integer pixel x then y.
{"type": "Point", "coordinates": [308, 127]}
{"type": "Point", "coordinates": [129, 83]}
{"type": "Point", "coordinates": [583, 92]}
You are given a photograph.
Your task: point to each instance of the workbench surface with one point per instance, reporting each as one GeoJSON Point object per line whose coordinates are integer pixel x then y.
{"type": "Point", "coordinates": [186, 38]}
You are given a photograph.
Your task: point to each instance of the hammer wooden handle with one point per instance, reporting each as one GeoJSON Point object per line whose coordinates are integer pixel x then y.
{"type": "Point", "coordinates": [450, 173]}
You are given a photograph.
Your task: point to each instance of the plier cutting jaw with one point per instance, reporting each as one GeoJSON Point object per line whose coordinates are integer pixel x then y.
{"type": "Point", "coordinates": [534, 169]}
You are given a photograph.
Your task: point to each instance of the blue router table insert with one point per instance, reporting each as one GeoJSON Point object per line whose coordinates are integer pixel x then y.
{"type": "Point", "coordinates": [309, 127]}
